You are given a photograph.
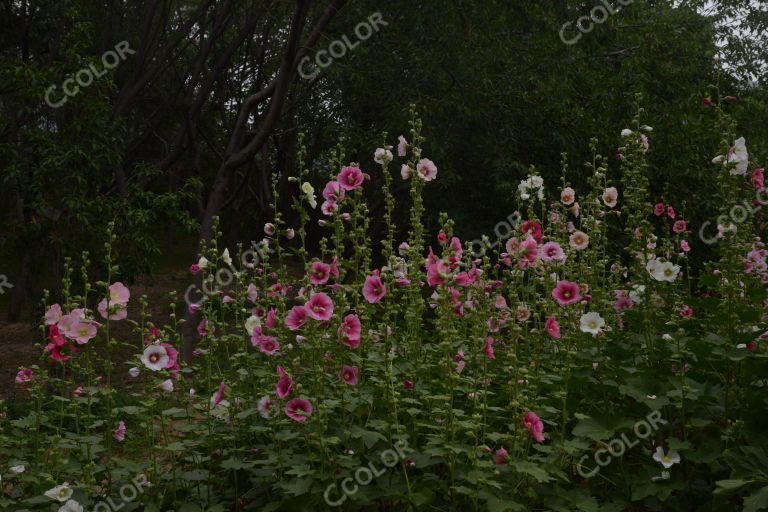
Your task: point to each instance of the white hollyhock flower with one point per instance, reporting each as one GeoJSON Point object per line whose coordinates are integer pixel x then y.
{"type": "Point", "coordinates": [626, 132]}
{"type": "Point", "coordinates": [668, 460]}
{"type": "Point", "coordinates": [251, 324]}
{"type": "Point", "coordinates": [167, 386]}
{"type": "Point", "coordinates": [202, 262]}
{"type": "Point", "coordinates": [309, 193]}
{"type": "Point", "coordinates": [592, 323]}
{"type": "Point", "coordinates": [382, 156]}
{"type": "Point", "coordinates": [71, 506]}
{"type": "Point", "coordinates": [662, 271]}
{"type": "Point", "coordinates": [739, 155]}
{"type": "Point", "coordinates": [18, 469]}
{"type": "Point", "coordinates": [60, 493]}
{"type": "Point", "coordinates": [155, 357]}
{"type": "Point", "coordinates": [133, 372]}
{"type": "Point", "coordinates": [637, 292]}
{"type": "Point", "coordinates": [226, 258]}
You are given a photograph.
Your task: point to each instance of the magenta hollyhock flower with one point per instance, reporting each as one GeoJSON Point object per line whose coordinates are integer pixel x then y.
{"type": "Point", "coordinates": [437, 271]}
{"type": "Point", "coordinates": [120, 431]}
{"type": "Point", "coordinates": [319, 272]}
{"type": "Point", "coordinates": [623, 300]}
{"type": "Point", "coordinates": [658, 210]}
{"type": "Point", "coordinates": [552, 327]}
{"type": "Point", "coordinates": [202, 327]}
{"type": "Point", "coordinates": [566, 293]}
{"type": "Point", "coordinates": [252, 292]}
{"type": "Point", "coordinates": [679, 227]}
{"type": "Point", "coordinates": [488, 348]}
{"type": "Point", "coordinates": [333, 192]}
{"type": "Point", "coordinates": [349, 331]}
{"type": "Point", "coordinates": [350, 178]}
{"type": "Point", "coordinates": [758, 178]}
{"type": "Point", "coordinates": [684, 246]}
{"type": "Point", "coordinates": [686, 311]}
{"type": "Point", "coordinates": [219, 395]}
{"type": "Point", "coordinates": [501, 456]}
{"type": "Point", "coordinates": [529, 252]}
{"type": "Point", "coordinates": [298, 409]}
{"type": "Point", "coordinates": [53, 315]}
{"type": "Point", "coordinates": [408, 384]}
{"type": "Point", "coordinates": [173, 357]}
{"type": "Point", "coordinates": [271, 321]}
{"type": "Point", "coordinates": [373, 289]}
{"type": "Point", "coordinates": [534, 425]}
{"type": "Point", "coordinates": [670, 212]}
{"type": "Point", "coordinates": [551, 251]}
{"type": "Point", "coordinates": [24, 375]}
{"type": "Point", "coordinates": [284, 383]}
{"type": "Point", "coordinates": [296, 318]}
{"type": "Point", "coordinates": [194, 269]}
{"type": "Point", "coordinates": [349, 375]}
{"type": "Point", "coordinates": [334, 267]}
{"type": "Point", "coordinates": [534, 228]}
{"type": "Point", "coordinates": [459, 360]}
{"type": "Point", "coordinates": [320, 307]}
{"type": "Point", "coordinates": [329, 208]}
{"type": "Point", "coordinates": [267, 344]}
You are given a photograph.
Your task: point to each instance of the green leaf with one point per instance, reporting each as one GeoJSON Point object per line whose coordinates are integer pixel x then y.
{"type": "Point", "coordinates": [532, 469]}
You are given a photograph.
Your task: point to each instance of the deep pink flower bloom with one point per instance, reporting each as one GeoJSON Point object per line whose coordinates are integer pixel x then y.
{"type": "Point", "coordinates": [296, 317]}
{"type": "Point", "coordinates": [758, 178]}
{"type": "Point", "coordinates": [488, 349]}
{"type": "Point", "coordinates": [349, 331]}
{"type": "Point", "coordinates": [334, 267]}
{"type": "Point", "coordinates": [566, 293]}
{"type": "Point", "coordinates": [333, 191]}
{"type": "Point", "coordinates": [686, 311]}
{"type": "Point", "coordinates": [320, 307]}
{"type": "Point", "coordinates": [535, 229]}
{"type": "Point", "coordinates": [120, 431]}
{"type": "Point", "coordinates": [24, 375]}
{"type": "Point", "coordinates": [271, 321]}
{"type": "Point", "coordinates": [679, 227]}
{"type": "Point", "coordinates": [408, 384]}
{"type": "Point", "coordinates": [534, 425]}
{"type": "Point", "coordinates": [684, 246]}
{"type": "Point", "coordinates": [202, 327]}
{"type": "Point", "coordinates": [194, 268]}
{"type": "Point", "coordinates": [529, 252]}
{"type": "Point", "coordinates": [219, 395]}
{"type": "Point", "coordinates": [266, 344]}
{"type": "Point", "coordinates": [552, 327]}
{"type": "Point", "coordinates": [349, 375]}
{"type": "Point", "coordinates": [437, 271]}
{"type": "Point", "coordinates": [501, 456]}
{"type": "Point", "coordinates": [707, 102]}
{"type": "Point", "coordinates": [350, 178]}
{"type": "Point", "coordinates": [658, 210]}
{"type": "Point", "coordinates": [373, 289]}
{"type": "Point", "coordinates": [551, 251]}
{"type": "Point", "coordinates": [329, 208]}
{"type": "Point", "coordinates": [319, 272]}
{"type": "Point", "coordinates": [623, 301]}
{"type": "Point", "coordinates": [670, 212]}
{"type": "Point", "coordinates": [284, 383]}
{"type": "Point", "coordinates": [298, 409]}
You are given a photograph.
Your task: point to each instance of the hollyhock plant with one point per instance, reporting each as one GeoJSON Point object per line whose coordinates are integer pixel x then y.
{"type": "Point", "coordinates": [60, 493]}
{"type": "Point", "coordinates": [662, 270]}
{"type": "Point", "coordinates": [373, 289]}
{"type": "Point", "coordinates": [382, 155]}
{"type": "Point", "coordinates": [535, 426]}
{"type": "Point", "coordinates": [24, 376]}
{"type": "Point", "coordinates": [658, 210]}
{"type": "Point", "coordinates": [349, 331]}
{"type": "Point", "coordinates": [349, 375]}
{"type": "Point", "coordinates": [426, 169]}
{"type": "Point", "coordinates": [53, 315]}
{"type": "Point", "coordinates": [155, 357]}
{"type": "Point", "coordinates": [552, 327]}
{"type": "Point", "coordinates": [296, 318]}
{"type": "Point", "coordinates": [284, 383]}
{"type": "Point", "coordinates": [567, 196]}
{"type": "Point", "coordinates": [320, 307]}
{"type": "Point", "coordinates": [488, 348]}
{"type": "Point", "coordinates": [566, 293]}
{"type": "Point", "coordinates": [298, 409]}
{"type": "Point", "coordinates": [610, 197]}
{"type": "Point", "coordinates": [552, 252]}
{"type": "Point", "coordinates": [120, 432]}
{"type": "Point", "coordinates": [266, 407]}
{"type": "Point", "coordinates": [758, 179]}
{"type": "Point", "coordinates": [578, 240]}
{"type": "Point", "coordinates": [592, 323]}
{"type": "Point", "coordinates": [402, 146]}
{"type": "Point", "coordinates": [333, 192]}
{"type": "Point", "coordinates": [319, 273]}
{"type": "Point", "coordinates": [350, 178]}
{"type": "Point", "coordinates": [501, 456]}
{"type": "Point", "coordinates": [218, 397]}
{"type": "Point", "coordinates": [667, 460]}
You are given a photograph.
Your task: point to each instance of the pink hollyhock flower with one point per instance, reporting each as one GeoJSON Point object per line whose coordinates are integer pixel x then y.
{"type": "Point", "coordinates": [194, 269]}
{"type": "Point", "coordinates": [173, 357]}
{"type": "Point", "coordinates": [219, 395]}
{"type": "Point", "coordinates": [271, 321]}
{"type": "Point", "coordinates": [437, 271]}
{"type": "Point", "coordinates": [686, 311]}
{"type": "Point", "coordinates": [266, 344]}
{"type": "Point", "coordinates": [459, 360]}
{"type": "Point", "coordinates": [119, 294]}
{"type": "Point", "coordinates": [373, 289]}
{"type": "Point", "coordinates": [500, 302]}
{"type": "Point", "coordinates": [319, 272]}
{"type": "Point", "coordinates": [78, 392]}
{"type": "Point", "coordinates": [426, 169]}
{"type": "Point", "coordinates": [82, 331]}
{"type": "Point", "coordinates": [252, 292]}
{"type": "Point", "coordinates": [265, 407]}
{"type": "Point", "coordinates": [552, 327]}
{"type": "Point", "coordinates": [329, 208]}
{"type": "Point", "coordinates": [567, 196]}
{"type": "Point", "coordinates": [155, 357]}
{"type": "Point", "coordinates": [284, 383]}
{"type": "Point", "coordinates": [529, 253]}
{"type": "Point", "coordinates": [402, 249]}
{"type": "Point", "coordinates": [114, 312]}
{"type": "Point", "coordinates": [522, 313]}
{"type": "Point", "coordinates": [350, 178]}
{"type": "Point", "coordinates": [658, 210]}
{"type": "Point", "coordinates": [534, 228]}
{"type": "Point", "coordinates": [53, 315]}
{"type": "Point", "coordinates": [349, 375]}
{"type": "Point", "coordinates": [679, 227]}
{"type": "Point", "coordinates": [551, 251]}
{"type": "Point", "coordinates": [405, 171]}
{"type": "Point", "coordinates": [296, 318]}
{"type": "Point", "coordinates": [202, 327]}
{"type": "Point", "coordinates": [120, 432]}
{"type": "Point", "coordinates": [298, 409]}
{"type": "Point", "coordinates": [534, 425]}
{"type": "Point", "coordinates": [566, 293]}
{"type": "Point", "coordinates": [333, 268]}
{"type": "Point", "coordinates": [333, 192]}
{"type": "Point", "coordinates": [24, 375]}
{"type": "Point", "coordinates": [670, 212]}
{"type": "Point", "coordinates": [349, 331]}
{"type": "Point", "coordinates": [402, 146]}
{"type": "Point", "coordinates": [684, 246]}
{"type": "Point", "coordinates": [707, 102]}
{"type": "Point", "coordinates": [465, 279]}
{"type": "Point", "coordinates": [610, 197]}
{"type": "Point", "coordinates": [578, 240]}
{"type": "Point", "coordinates": [758, 179]}
{"type": "Point", "coordinates": [408, 384]}
{"type": "Point", "coordinates": [320, 307]}
{"type": "Point", "coordinates": [488, 349]}
{"type": "Point", "coordinates": [167, 386]}
{"type": "Point", "coordinates": [501, 456]}
{"type": "Point", "coordinates": [644, 140]}
{"type": "Point", "coordinates": [623, 300]}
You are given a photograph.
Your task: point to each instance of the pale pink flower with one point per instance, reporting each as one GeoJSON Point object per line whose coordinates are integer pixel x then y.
{"type": "Point", "coordinates": [24, 375]}
{"type": "Point", "coordinates": [426, 169]}
{"type": "Point", "coordinates": [373, 289]}
{"type": "Point", "coordinates": [488, 348]}
{"type": "Point", "coordinates": [113, 312]}
{"type": "Point", "coordinates": [350, 178]}
{"type": "Point", "coordinates": [349, 375]}
{"type": "Point", "coordinates": [402, 146]}
{"type": "Point", "coordinates": [298, 409]}
{"type": "Point", "coordinates": [610, 197]}
{"type": "Point", "coordinates": [566, 293]}
{"type": "Point", "coordinates": [329, 208]}
{"type": "Point", "coordinates": [334, 192]}
{"type": "Point", "coordinates": [402, 249]}
{"type": "Point", "coordinates": [120, 431]}
{"type": "Point", "coordinates": [567, 196]}
{"type": "Point", "coordinates": [119, 294]}
{"type": "Point", "coordinates": [319, 272]}
{"type": "Point", "coordinates": [349, 331]}
{"type": "Point", "coordinates": [265, 407]}
{"type": "Point", "coordinates": [82, 331]}
{"type": "Point", "coordinates": [459, 360]}
{"type": "Point", "coordinates": [155, 357]}
{"type": "Point", "coordinates": [552, 327]}
{"type": "Point", "coordinates": [269, 229]}
{"type": "Point", "coordinates": [284, 383]}
{"type": "Point", "coordinates": [167, 386]}
{"type": "Point", "coordinates": [578, 240]}
{"type": "Point", "coordinates": [78, 392]}
{"type": "Point", "coordinates": [320, 307]}
{"type": "Point", "coordinates": [551, 251]}
{"type": "Point", "coordinates": [296, 318]}
{"type": "Point", "coordinates": [53, 315]}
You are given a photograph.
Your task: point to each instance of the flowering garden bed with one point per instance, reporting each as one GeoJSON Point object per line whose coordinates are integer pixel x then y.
{"type": "Point", "coordinates": [553, 372]}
